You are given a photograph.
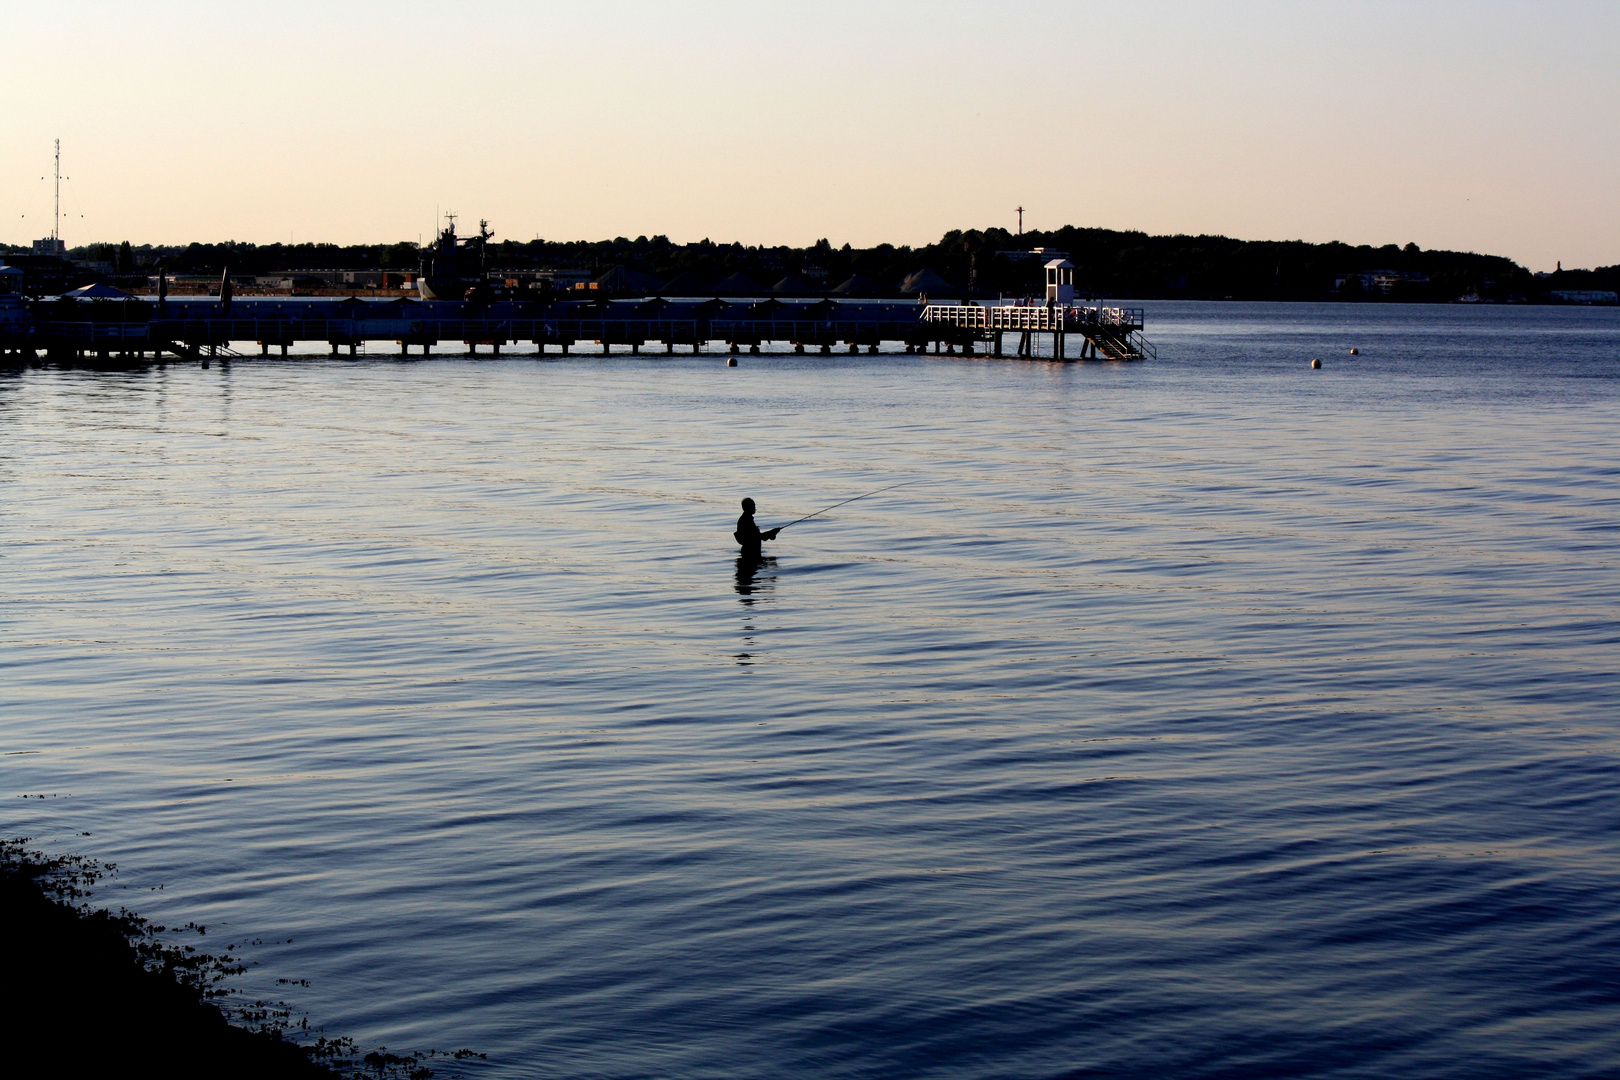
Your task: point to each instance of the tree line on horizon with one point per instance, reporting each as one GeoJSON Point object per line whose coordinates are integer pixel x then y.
{"type": "Point", "coordinates": [1109, 263]}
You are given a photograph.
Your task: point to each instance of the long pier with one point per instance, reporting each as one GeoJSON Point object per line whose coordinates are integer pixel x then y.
{"type": "Point", "coordinates": [193, 328]}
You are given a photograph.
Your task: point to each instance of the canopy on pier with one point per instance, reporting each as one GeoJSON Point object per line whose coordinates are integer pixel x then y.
{"type": "Point", "coordinates": [686, 283]}
{"type": "Point", "coordinates": [98, 291]}
{"type": "Point", "coordinates": [794, 286]}
{"type": "Point", "coordinates": [622, 279]}
{"type": "Point", "coordinates": [739, 285]}
{"type": "Point", "coordinates": [924, 281]}
{"type": "Point", "coordinates": [858, 286]}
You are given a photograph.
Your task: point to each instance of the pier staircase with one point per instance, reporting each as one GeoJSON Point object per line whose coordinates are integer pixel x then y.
{"type": "Point", "coordinates": [1107, 344]}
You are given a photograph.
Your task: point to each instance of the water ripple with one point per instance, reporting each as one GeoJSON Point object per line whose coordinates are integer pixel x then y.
{"type": "Point", "coordinates": [1213, 717]}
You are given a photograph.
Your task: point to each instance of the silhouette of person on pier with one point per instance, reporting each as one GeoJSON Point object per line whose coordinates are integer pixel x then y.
{"type": "Point", "coordinates": [748, 534]}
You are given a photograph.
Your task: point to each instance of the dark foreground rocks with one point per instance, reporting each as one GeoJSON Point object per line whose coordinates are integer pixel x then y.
{"type": "Point", "coordinates": [95, 993]}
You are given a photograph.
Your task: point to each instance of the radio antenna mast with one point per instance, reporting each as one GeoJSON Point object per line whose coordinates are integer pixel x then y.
{"type": "Point", "coordinates": [56, 223]}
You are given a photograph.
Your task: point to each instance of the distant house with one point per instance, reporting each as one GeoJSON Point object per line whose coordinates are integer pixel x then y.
{"type": "Point", "coordinates": [1381, 282]}
{"type": "Point", "coordinates": [1583, 296]}
{"type": "Point", "coordinates": [563, 279]}
{"type": "Point", "coordinates": [1390, 282]}
{"type": "Point", "coordinates": [50, 246]}
{"type": "Point", "coordinates": [1043, 255]}
{"type": "Point", "coordinates": [43, 275]}
{"type": "Point", "coordinates": [297, 282]}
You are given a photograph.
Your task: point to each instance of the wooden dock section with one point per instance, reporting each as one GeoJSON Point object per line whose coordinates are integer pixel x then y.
{"type": "Point", "coordinates": [1106, 333]}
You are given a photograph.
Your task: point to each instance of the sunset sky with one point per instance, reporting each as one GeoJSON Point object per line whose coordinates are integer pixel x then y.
{"type": "Point", "coordinates": [1479, 126]}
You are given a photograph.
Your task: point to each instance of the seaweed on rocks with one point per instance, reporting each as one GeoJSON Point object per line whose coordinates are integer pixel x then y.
{"type": "Point", "coordinates": [93, 992]}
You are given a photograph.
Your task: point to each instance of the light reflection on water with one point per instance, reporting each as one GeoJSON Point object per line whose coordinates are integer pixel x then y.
{"type": "Point", "coordinates": [1206, 717]}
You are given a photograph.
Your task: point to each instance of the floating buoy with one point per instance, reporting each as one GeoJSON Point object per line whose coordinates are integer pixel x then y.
{"type": "Point", "coordinates": [1355, 352]}
{"type": "Point", "coordinates": [731, 361]}
{"type": "Point", "coordinates": [1316, 363]}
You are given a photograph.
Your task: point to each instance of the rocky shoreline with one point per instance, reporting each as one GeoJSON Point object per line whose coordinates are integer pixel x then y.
{"type": "Point", "coordinates": [96, 992]}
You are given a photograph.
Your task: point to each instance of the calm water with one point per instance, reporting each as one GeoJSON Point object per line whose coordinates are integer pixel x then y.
{"type": "Point", "coordinates": [1208, 717]}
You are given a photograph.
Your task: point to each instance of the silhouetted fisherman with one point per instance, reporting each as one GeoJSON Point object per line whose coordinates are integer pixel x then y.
{"type": "Point", "coordinates": [748, 534]}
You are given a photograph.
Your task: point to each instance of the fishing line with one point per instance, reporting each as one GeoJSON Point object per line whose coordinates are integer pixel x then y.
{"type": "Point", "coordinates": [836, 505]}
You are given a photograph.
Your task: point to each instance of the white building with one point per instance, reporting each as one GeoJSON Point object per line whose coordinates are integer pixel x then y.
{"type": "Point", "coordinates": [1060, 281]}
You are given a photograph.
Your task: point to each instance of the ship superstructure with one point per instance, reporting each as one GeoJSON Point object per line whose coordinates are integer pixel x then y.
{"type": "Point", "coordinates": [453, 265]}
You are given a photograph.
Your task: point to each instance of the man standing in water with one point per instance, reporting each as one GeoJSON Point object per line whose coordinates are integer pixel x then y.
{"type": "Point", "coordinates": [748, 534]}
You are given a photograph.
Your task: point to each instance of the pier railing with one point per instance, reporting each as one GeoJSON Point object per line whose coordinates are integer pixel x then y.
{"type": "Point", "coordinates": [1110, 332]}
{"type": "Point", "coordinates": [100, 335]}
{"type": "Point", "coordinates": [1065, 318]}
{"type": "Point", "coordinates": [215, 329]}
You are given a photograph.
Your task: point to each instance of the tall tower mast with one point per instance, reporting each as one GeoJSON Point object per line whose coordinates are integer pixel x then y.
{"type": "Point", "coordinates": [56, 223]}
{"type": "Point", "coordinates": [1020, 221]}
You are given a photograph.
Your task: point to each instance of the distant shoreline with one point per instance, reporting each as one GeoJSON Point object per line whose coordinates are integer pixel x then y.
{"type": "Point", "coordinates": [1118, 264]}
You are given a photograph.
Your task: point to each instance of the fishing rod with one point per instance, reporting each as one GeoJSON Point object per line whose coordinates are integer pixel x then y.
{"type": "Point", "coordinates": [836, 505]}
